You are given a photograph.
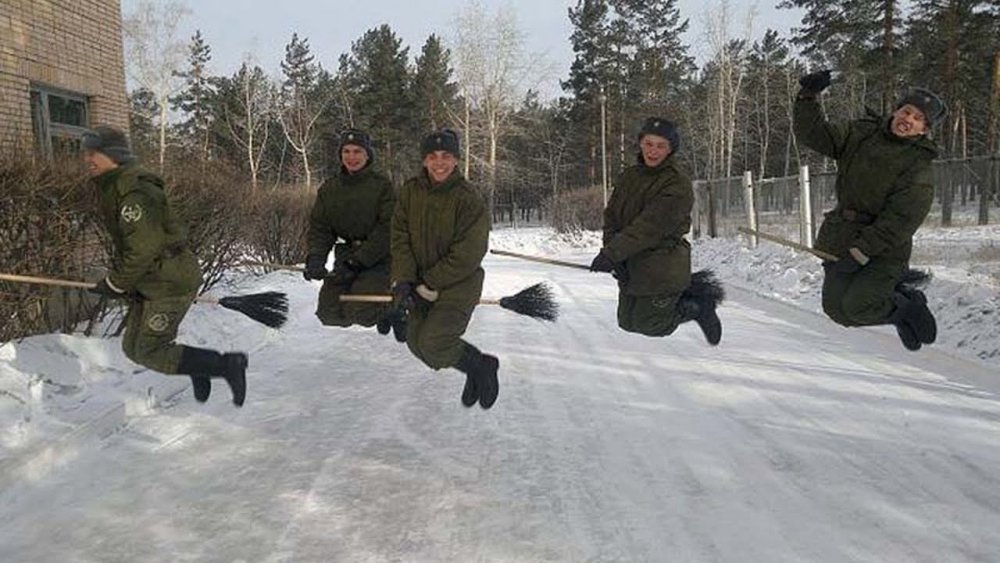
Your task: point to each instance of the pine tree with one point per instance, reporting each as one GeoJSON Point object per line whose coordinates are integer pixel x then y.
{"type": "Point", "coordinates": [435, 94]}
{"type": "Point", "coordinates": [193, 101]}
{"type": "Point", "coordinates": [143, 110]}
{"type": "Point", "coordinates": [376, 77]}
{"type": "Point", "coordinates": [858, 37]}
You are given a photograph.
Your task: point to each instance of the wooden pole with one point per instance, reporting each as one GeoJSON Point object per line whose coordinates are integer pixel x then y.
{"type": "Point", "coordinates": [791, 244]}
{"type": "Point", "coordinates": [540, 259]}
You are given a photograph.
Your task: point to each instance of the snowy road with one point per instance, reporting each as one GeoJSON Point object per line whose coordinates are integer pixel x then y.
{"type": "Point", "coordinates": [794, 440]}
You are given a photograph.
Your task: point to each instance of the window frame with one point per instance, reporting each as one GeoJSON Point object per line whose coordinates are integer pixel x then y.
{"type": "Point", "coordinates": [45, 128]}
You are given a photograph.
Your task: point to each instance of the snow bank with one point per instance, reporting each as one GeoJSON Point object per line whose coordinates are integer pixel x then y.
{"type": "Point", "coordinates": [965, 263]}
{"type": "Point", "coordinates": [50, 385]}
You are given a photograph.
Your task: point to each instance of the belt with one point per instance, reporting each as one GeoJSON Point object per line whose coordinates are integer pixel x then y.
{"type": "Point", "coordinates": [855, 216]}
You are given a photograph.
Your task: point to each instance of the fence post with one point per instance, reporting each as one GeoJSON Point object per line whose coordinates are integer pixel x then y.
{"type": "Point", "coordinates": [805, 208]}
{"type": "Point", "coordinates": [712, 223]}
{"type": "Point", "coordinates": [750, 207]}
{"type": "Point", "coordinates": [695, 231]}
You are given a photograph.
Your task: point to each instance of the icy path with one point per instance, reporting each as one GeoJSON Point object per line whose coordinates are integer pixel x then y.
{"type": "Point", "coordinates": [793, 441]}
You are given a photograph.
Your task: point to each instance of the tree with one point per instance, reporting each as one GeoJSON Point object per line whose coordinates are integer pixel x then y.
{"type": "Point", "coordinates": [193, 101]}
{"type": "Point", "coordinates": [303, 102]}
{"type": "Point", "coordinates": [859, 37]}
{"type": "Point", "coordinates": [493, 69]}
{"type": "Point", "coordinates": [377, 80]}
{"type": "Point", "coordinates": [142, 129]}
{"type": "Point", "coordinates": [245, 114]}
{"type": "Point", "coordinates": [154, 54]}
{"type": "Point", "coordinates": [435, 94]}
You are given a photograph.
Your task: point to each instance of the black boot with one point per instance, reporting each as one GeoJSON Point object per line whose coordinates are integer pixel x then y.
{"type": "Point", "coordinates": [384, 325]}
{"type": "Point", "coordinates": [698, 303]}
{"type": "Point", "coordinates": [481, 381]}
{"type": "Point", "coordinates": [201, 364]}
{"type": "Point", "coordinates": [235, 365]}
{"type": "Point", "coordinates": [918, 315]}
{"type": "Point", "coordinates": [902, 319]}
{"type": "Point", "coordinates": [692, 309]}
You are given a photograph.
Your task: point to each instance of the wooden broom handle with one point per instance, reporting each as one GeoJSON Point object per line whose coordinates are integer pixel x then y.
{"type": "Point", "coordinates": [790, 244]}
{"type": "Point", "coordinates": [540, 259]}
{"type": "Point", "coordinates": [46, 281]}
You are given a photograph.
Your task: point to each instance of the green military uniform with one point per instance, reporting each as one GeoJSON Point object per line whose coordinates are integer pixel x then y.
{"type": "Point", "coordinates": [356, 208]}
{"type": "Point", "coordinates": [152, 264]}
{"type": "Point", "coordinates": [644, 226]}
{"type": "Point", "coordinates": [884, 191]}
{"type": "Point", "coordinates": [440, 234]}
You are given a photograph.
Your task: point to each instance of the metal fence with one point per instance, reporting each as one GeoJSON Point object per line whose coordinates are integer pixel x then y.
{"type": "Point", "coordinates": [966, 193]}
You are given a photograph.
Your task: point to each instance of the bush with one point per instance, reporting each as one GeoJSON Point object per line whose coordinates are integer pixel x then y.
{"type": "Point", "coordinates": [48, 228]}
{"type": "Point", "coordinates": [280, 225]}
{"type": "Point", "coordinates": [211, 198]}
{"type": "Point", "coordinates": [578, 210]}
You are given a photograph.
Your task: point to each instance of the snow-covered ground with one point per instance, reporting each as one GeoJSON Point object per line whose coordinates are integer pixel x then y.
{"type": "Point", "coordinates": [794, 440]}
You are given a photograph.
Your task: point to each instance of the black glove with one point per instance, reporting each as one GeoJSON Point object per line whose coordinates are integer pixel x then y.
{"type": "Point", "coordinates": [315, 267]}
{"type": "Point", "coordinates": [402, 296]}
{"type": "Point", "coordinates": [602, 263]}
{"type": "Point", "coordinates": [344, 273]}
{"type": "Point", "coordinates": [847, 265]}
{"type": "Point", "coordinates": [620, 273]}
{"type": "Point", "coordinates": [104, 289]}
{"type": "Point", "coordinates": [815, 82]}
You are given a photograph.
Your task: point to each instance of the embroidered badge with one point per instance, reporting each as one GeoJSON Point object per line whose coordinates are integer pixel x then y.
{"type": "Point", "coordinates": [132, 213]}
{"type": "Point", "coordinates": [159, 322]}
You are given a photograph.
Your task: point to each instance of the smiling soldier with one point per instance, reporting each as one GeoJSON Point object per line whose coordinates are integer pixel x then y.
{"type": "Point", "coordinates": [884, 191]}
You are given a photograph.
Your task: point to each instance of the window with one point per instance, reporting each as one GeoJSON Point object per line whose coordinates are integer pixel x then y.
{"type": "Point", "coordinates": [59, 119]}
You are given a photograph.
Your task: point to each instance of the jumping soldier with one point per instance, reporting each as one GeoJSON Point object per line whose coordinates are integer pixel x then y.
{"type": "Point", "coordinates": [644, 246]}
{"type": "Point", "coordinates": [153, 268]}
{"type": "Point", "coordinates": [884, 191]}
{"type": "Point", "coordinates": [440, 232]}
{"type": "Point", "coordinates": [355, 207]}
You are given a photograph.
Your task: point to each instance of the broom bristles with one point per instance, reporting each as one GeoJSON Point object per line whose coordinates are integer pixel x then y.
{"type": "Point", "coordinates": [704, 285]}
{"type": "Point", "coordinates": [268, 308]}
{"type": "Point", "coordinates": [536, 302]}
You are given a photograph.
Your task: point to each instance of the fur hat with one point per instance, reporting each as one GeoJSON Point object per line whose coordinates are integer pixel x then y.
{"type": "Point", "coordinates": [109, 141]}
{"type": "Point", "coordinates": [662, 128]}
{"type": "Point", "coordinates": [441, 140]}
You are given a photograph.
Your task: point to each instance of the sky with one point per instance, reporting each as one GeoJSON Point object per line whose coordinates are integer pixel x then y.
{"type": "Point", "coordinates": [261, 28]}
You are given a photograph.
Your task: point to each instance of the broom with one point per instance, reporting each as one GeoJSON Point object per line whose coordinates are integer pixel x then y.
{"type": "Point", "coordinates": [269, 308]}
{"type": "Point", "coordinates": [912, 278]}
{"type": "Point", "coordinates": [536, 301]}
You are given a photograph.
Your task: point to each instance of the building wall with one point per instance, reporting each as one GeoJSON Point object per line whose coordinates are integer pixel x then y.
{"type": "Point", "coordinates": [73, 45]}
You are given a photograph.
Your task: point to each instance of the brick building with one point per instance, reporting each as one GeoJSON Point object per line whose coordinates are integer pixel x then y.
{"type": "Point", "coordinates": [61, 70]}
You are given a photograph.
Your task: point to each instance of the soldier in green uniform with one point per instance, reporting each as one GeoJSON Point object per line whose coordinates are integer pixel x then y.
{"type": "Point", "coordinates": [884, 191]}
{"type": "Point", "coordinates": [152, 268]}
{"type": "Point", "coordinates": [355, 208]}
{"type": "Point", "coordinates": [440, 232]}
{"type": "Point", "coordinates": [644, 246]}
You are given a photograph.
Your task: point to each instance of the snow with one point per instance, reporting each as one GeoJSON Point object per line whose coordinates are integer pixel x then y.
{"type": "Point", "coordinates": [794, 440]}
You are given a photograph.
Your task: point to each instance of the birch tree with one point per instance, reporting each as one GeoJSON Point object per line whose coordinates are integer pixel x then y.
{"type": "Point", "coordinates": [154, 53]}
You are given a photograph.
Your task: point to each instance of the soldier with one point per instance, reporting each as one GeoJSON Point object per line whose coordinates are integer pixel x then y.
{"type": "Point", "coordinates": [354, 206]}
{"type": "Point", "coordinates": [153, 268]}
{"type": "Point", "coordinates": [440, 232]}
{"type": "Point", "coordinates": [644, 246]}
{"type": "Point", "coordinates": [884, 191]}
